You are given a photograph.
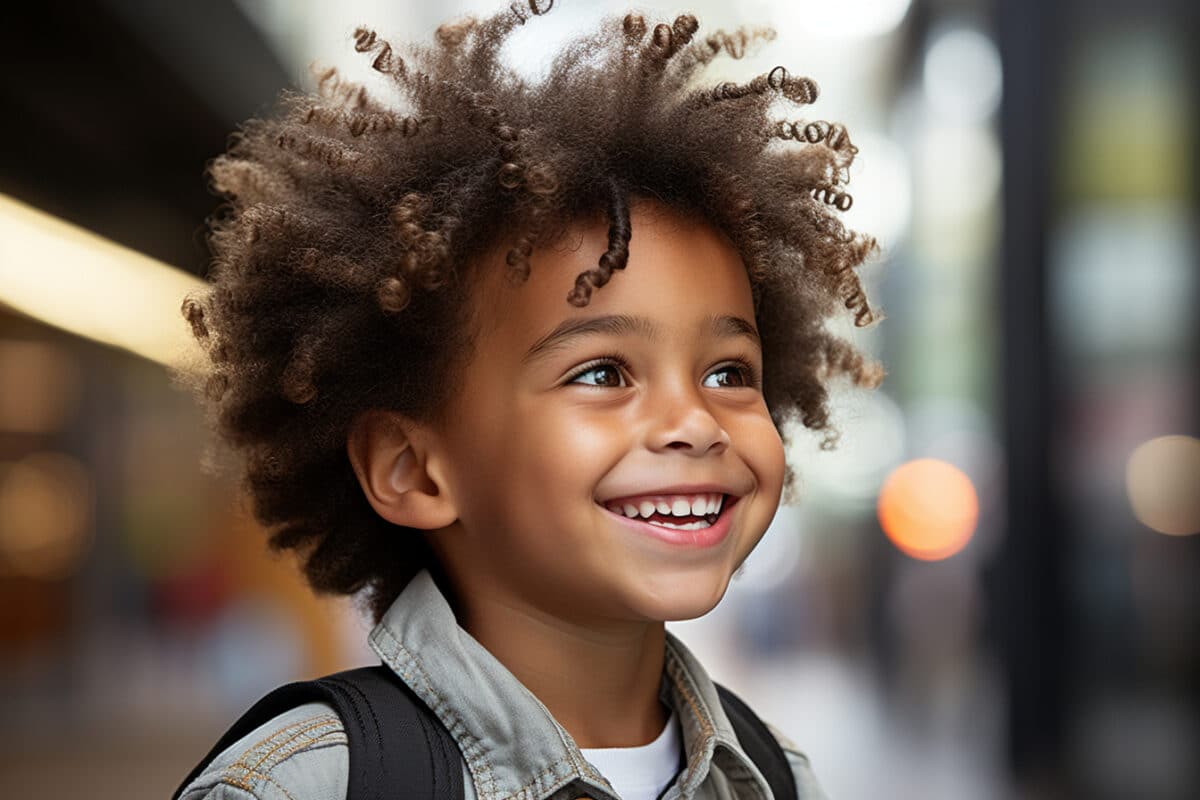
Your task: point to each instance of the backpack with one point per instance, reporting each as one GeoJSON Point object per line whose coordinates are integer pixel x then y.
{"type": "Point", "coordinates": [395, 740]}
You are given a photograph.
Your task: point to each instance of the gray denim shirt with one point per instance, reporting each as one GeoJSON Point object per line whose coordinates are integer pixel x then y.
{"type": "Point", "coordinates": [512, 748]}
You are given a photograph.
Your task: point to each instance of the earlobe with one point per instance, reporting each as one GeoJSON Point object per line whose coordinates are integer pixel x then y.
{"type": "Point", "coordinates": [390, 457]}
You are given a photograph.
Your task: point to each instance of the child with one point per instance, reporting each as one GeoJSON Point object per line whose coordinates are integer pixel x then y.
{"type": "Point", "coordinates": [512, 362]}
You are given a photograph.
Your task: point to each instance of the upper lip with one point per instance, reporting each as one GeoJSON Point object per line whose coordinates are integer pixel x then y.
{"type": "Point", "coordinates": [678, 489]}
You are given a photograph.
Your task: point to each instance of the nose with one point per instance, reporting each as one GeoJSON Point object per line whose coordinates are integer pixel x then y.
{"type": "Point", "coordinates": [682, 421]}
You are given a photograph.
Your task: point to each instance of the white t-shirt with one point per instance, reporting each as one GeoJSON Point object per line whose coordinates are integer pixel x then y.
{"type": "Point", "coordinates": [641, 773]}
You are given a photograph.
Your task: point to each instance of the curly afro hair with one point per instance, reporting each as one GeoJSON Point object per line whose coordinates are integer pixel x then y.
{"type": "Point", "coordinates": [339, 272]}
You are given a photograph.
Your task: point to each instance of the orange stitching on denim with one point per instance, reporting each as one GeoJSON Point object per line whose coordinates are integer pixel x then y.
{"type": "Point", "coordinates": [473, 750]}
{"type": "Point", "coordinates": [279, 786]}
{"type": "Point", "coordinates": [243, 761]}
{"type": "Point", "coordinates": [316, 723]}
{"type": "Point", "coordinates": [739, 772]}
{"type": "Point", "coordinates": [302, 732]}
{"type": "Point", "coordinates": [705, 727]}
{"type": "Point", "coordinates": [242, 780]}
{"type": "Point", "coordinates": [677, 673]}
{"type": "Point", "coordinates": [247, 787]}
{"type": "Point", "coordinates": [331, 737]}
{"type": "Point", "coordinates": [259, 744]}
{"type": "Point", "coordinates": [539, 779]}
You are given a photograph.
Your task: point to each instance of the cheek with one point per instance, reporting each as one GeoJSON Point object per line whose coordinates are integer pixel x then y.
{"type": "Point", "coordinates": [765, 455]}
{"type": "Point", "coordinates": [565, 444]}
{"type": "Point", "coordinates": [529, 459]}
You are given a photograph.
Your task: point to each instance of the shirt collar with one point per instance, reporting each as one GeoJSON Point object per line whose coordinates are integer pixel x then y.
{"type": "Point", "coordinates": [513, 747]}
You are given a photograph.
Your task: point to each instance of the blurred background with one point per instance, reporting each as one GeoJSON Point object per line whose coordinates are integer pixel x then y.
{"type": "Point", "coordinates": [991, 589]}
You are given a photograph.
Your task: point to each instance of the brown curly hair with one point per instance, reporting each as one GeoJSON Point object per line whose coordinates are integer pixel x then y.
{"type": "Point", "coordinates": [339, 272]}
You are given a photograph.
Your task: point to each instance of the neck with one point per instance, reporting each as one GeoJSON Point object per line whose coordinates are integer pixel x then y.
{"type": "Point", "coordinates": [601, 682]}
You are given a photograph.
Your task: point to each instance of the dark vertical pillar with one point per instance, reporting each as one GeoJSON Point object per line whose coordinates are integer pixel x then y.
{"type": "Point", "coordinates": [1192, 32]}
{"type": "Point", "coordinates": [1190, 13]}
{"type": "Point", "coordinates": [1027, 595]}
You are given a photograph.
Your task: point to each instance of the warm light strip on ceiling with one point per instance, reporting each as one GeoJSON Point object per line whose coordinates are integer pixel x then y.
{"type": "Point", "coordinates": [83, 283]}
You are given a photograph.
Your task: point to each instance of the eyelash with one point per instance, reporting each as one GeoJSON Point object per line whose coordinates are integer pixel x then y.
{"type": "Point", "coordinates": [612, 360]}
{"type": "Point", "coordinates": [750, 374]}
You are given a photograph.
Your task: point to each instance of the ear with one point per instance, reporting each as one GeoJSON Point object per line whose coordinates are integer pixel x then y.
{"type": "Point", "coordinates": [391, 457]}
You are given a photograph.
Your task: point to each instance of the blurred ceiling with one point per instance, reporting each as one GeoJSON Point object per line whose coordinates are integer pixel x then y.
{"type": "Point", "coordinates": [112, 109]}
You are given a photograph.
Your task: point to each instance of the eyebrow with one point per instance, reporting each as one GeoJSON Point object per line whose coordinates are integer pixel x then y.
{"type": "Point", "coordinates": [726, 326]}
{"type": "Point", "coordinates": [721, 325]}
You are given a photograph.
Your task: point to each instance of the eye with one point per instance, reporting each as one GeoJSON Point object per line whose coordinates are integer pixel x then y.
{"type": "Point", "coordinates": [732, 376]}
{"type": "Point", "coordinates": [605, 373]}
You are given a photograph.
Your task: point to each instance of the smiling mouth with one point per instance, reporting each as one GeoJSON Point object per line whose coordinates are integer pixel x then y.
{"type": "Point", "coordinates": [680, 512]}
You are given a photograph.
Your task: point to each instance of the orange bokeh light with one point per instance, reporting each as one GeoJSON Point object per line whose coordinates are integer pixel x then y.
{"type": "Point", "coordinates": [928, 508]}
{"type": "Point", "coordinates": [1162, 479]}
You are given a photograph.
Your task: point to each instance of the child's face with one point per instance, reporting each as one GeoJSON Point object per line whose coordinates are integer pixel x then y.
{"type": "Point", "coordinates": [544, 436]}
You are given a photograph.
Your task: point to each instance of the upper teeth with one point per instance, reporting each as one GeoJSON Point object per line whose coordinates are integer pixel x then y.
{"type": "Point", "coordinates": [677, 505]}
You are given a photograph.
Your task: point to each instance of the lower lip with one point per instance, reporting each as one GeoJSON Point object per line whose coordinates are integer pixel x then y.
{"type": "Point", "coordinates": [699, 538]}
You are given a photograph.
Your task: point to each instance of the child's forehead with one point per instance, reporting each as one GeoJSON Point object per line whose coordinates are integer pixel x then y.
{"type": "Point", "coordinates": [682, 275]}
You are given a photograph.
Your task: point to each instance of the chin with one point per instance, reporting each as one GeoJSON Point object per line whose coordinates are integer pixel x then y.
{"type": "Point", "coordinates": [684, 597]}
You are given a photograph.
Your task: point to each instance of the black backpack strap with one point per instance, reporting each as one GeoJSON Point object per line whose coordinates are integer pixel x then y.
{"type": "Point", "coordinates": [394, 740]}
{"type": "Point", "coordinates": [760, 744]}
